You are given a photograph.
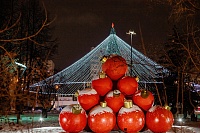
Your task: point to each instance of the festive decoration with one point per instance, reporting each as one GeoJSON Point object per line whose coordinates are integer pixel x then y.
{"type": "Point", "coordinates": [88, 98]}
{"type": "Point", "coordinates": [136, 78]}
{"type": "Point", "coordinates": [103, 59]}
{"type": "Point", "coordinates": [85, 69]}
{"type": "Point", "coordinates": [102, 85]}
{"type": "Point", "coordinates": [101, 118]}
{"type": "Point", "coordinates": [115, 100]}
{"type": "Point", "coordinates": [130, 118]}
{"type": "Point", "coordinates": [73, 118]}
{"type": "Point", "coordinates": [159, 119]}
{"type": "Point", "coordinates": [144, 99]}
{"type": "Point", "coordinates": [127, 85]}
{"type": "Point", "coordinates": [115, 67]}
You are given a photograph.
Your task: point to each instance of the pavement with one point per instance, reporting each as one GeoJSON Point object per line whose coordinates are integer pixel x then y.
{"type": "Point", "coordinates": [34, 123]}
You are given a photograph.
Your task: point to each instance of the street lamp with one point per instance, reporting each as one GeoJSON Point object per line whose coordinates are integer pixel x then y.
{"type": "Point", "coordinates": [131, 33]}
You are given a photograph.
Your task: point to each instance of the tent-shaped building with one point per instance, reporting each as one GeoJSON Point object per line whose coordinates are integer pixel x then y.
{"type": "Point", "coordinates": [83, 71]}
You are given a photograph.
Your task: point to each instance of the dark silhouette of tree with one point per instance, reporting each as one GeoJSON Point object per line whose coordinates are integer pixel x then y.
{"type": "Point", "coordinates": [181, 51]}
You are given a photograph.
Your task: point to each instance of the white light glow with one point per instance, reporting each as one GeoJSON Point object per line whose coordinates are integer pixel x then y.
{"type": "Point", "coordinates": [87, 68]}
{"type": "Point", "coordinates": [41, 119]}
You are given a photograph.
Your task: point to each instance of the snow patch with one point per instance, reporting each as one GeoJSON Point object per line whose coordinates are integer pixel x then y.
{"type": "Point", "coordinates": [137, 93]}
{"type": "Point", "coordinates": [87, 91]}
{"type": "Point", "coordinates": [152, 109]}
{"type": "Point", "coordinates": [110, 94]}
{"type": "Point", "coordinates": [100, 110]}
{"type": "Point", "coordinates": [124, 110]}
{"type": "Point", "coordinates": [68, 109]}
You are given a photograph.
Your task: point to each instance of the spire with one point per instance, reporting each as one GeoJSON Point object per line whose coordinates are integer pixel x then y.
{"type": "Point", "coordinates": [112, 47]}
{"type": "Point", "coordinates": [112, 31]}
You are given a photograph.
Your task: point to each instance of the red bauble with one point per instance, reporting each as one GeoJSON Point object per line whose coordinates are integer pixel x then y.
{"type": "Point", "coordinates": [159, 119]}
{"type": "Point", "coordinates": [115, 67]}
{"type": "Point", "coordinates": [127, 85]}
{"type": "Point", "coordinates": [131, 118]}
{"type": "Point", "coordinates": [88, 98]}
{"type": "Point", "coordinates": [73, 119]}
{"type": "Point", "coordinates": [115, 100]}
{"type": "Point", "coordinates": [102, 85]}
{"type": "Point", "coordinates": [101, 119]}
{"type": "Point", "coordinates": [144, 99]}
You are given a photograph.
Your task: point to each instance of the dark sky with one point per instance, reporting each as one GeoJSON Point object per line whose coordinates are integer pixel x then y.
{"type": "Point", "coordinates": [82, 24]}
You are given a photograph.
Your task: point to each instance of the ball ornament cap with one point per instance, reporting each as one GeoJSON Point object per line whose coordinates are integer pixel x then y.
{"type": "Point", "coordinates": [167, 107]}
{"type": "Point", "coordinates": [102, 74]}
{"type": "Point", "coordinates": [76, 94]}
{"type": "Point", "coordinates": [76, 109]}
{"type": "Point", "coordinates": [128, 104]}
{"type": "Point", "coordinates": [103, 104]}
{"type": "Point", "coordinates": [116, 93]}
{"type": "Point", "coordinates": [144, 93]}
{"type": "Point", "coordinates": [104, 59]}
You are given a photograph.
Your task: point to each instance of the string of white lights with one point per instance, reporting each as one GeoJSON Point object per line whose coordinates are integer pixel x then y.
{"type": "Point", "coordinates": [83, 71]}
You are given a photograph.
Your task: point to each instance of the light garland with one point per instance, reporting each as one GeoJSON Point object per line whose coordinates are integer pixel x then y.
{"type": "Point", "coordinates": [87, 68]}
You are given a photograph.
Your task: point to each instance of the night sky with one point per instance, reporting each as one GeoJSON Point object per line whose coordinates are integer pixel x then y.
{"type": "Point", "coordinates": [82, 24]}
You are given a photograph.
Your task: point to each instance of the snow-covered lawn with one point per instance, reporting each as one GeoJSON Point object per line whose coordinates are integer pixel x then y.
{"type": "Point", "coordinates": [32, 123]}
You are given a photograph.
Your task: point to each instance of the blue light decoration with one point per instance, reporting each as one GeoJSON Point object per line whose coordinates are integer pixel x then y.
{"type": "Point", "coordinates": [83, 71]}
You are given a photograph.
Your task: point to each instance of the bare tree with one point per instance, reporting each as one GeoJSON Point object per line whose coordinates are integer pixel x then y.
{"type": "Point", "coordinates": [14, 88]}
{"type": "Point", "coordinates": [182, 49]}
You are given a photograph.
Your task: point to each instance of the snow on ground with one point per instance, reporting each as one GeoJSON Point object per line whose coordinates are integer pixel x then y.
{"type": "Point", "coordinates": [31, 123]}
{"type": "Point", "coordinates": [60, 130]}
{"type": "Point", "coordinates": [25, 129]}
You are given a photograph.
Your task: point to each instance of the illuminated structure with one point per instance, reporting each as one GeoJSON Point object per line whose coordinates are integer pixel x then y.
{"type": "Point", "coordinates": [76, 76]}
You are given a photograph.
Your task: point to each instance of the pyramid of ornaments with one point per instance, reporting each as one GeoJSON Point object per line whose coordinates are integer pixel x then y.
{"type": "Point", "coordinates": [114, 102]}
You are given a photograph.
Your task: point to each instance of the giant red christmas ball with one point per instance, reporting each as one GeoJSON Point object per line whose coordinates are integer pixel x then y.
{"type": "Point", "coordinates": [102, 85]}
{"type": "Point", "coordinates": [130, 118]}
{"type": "Point", "coordinates": [115, 67]}
{"type": "Point", "coordinates": [101, 118]}
{"type": "Point", "coordinates": [115, 100]}
{"type": "Point", "coordinates": [73, 118]}
{"type": "Point", "coordinates": [88, 98]}
{"type": "Point", "coordinates": [159, 119]}
{"type": "Point", "coordinates": [127, 85]}
{"type": "Point", "coordinates": [144, 99]}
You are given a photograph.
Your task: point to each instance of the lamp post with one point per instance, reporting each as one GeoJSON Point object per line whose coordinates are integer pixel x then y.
{"type": "Point", "coordinates": [131, 33]}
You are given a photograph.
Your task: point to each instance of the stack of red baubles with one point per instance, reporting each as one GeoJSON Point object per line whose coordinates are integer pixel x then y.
{"type": "Point", "coordinates": [114, 102]}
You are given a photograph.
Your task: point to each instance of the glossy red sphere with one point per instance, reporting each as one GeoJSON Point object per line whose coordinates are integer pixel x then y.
{"type": "Point", "coordinates": [115, 100]}
{"type": "Point", "coordinates": [131, 120]}
{"type": "Point", "coordinates": [71, 122]}
{"type": "Point", "coordinates": [145, 102]}
{"type": "Point", "coordinates": [88, 98]}
{"type": "Point", "coordinates": [127, 85]}
{"type": "Point", "coordinates": [115, 67]}
{"type": "Point", "coordinates": [102, 85]}
{"type": "Point", "coordinates": [101, 119]}
{"type": "Point", "coordinates": [159, 119]}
